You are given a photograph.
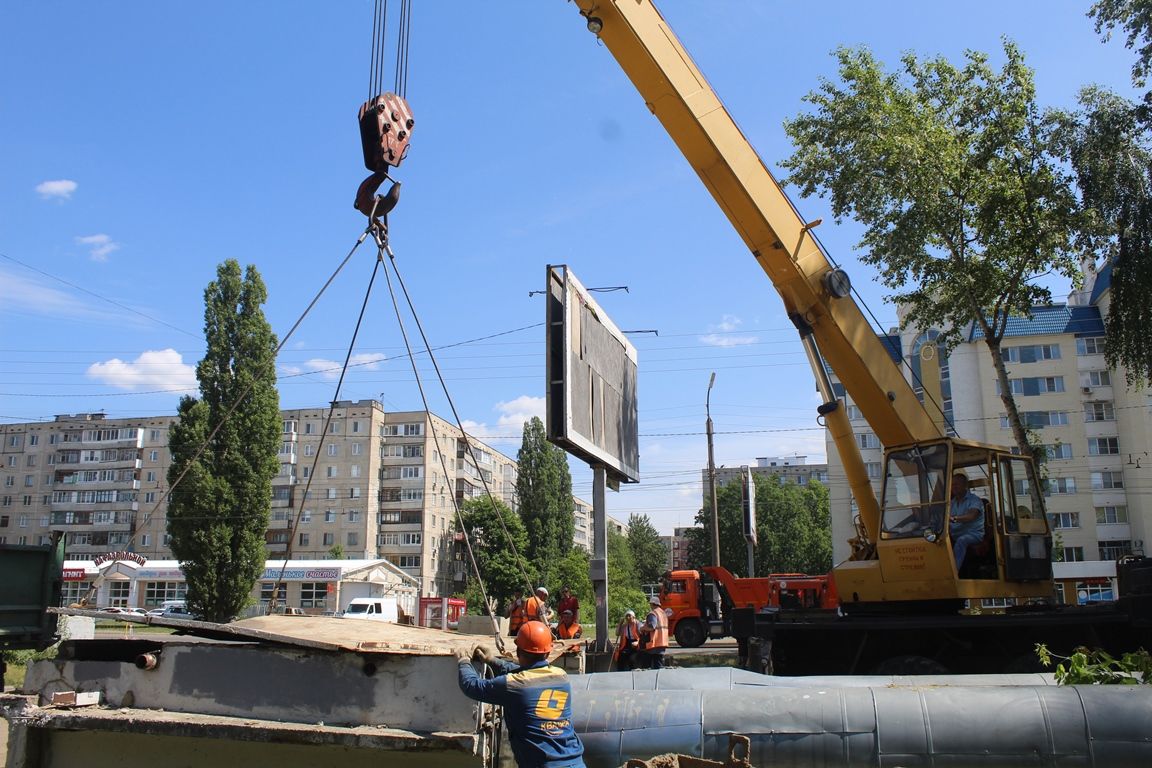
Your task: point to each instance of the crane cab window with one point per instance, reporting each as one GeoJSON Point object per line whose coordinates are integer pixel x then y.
{"type": "Point", "coordinates": [915, 482]}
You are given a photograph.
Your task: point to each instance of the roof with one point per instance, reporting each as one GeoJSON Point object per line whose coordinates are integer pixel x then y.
{"type": "Point", "coordinates": [1102, 284]}
{"type": "Point", "coordinates": [1052, 320]}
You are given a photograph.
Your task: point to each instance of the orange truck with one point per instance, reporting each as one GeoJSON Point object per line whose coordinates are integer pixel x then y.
{"type": "Point", "coordinates": [700, 603]}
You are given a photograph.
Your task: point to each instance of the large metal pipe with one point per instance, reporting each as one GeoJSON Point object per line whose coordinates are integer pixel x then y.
{"type": "Point", "coordinates": [626, 715]}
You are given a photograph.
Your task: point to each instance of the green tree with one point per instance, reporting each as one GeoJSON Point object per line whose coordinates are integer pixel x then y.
{"type": "Point", "coordinates": [649, 552]}
{"type": "Point", "coordinates": [498, 540]}
{"type": "Point", "coordinates": [544, 493]}
{"type": "Point", "coordinates": [336, 552]}
{"type": "Point", "coordinates": [623, 583]}
{"type": "Point", "coordinates": [1135, 18]}
{"type": "Point", "coordinates": [952, 171]}
{"type": "Point", "coordinates": [225, 448]}
{"type": "Point", "coordinates": [1107, 143]}
{"type": "Point", "coordinates": [793, 529]}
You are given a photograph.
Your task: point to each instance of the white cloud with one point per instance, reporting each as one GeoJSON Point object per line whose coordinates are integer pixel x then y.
{"type": "Point", "coordinates": [723, 334]}
{"type": "Point", "coordinates": [102, 245]}
{"type": "Point", "coordinates": [162, 369]}
{"type": "Point", "coordinates": [60, 189]}
{"type": "Point", "coordinates": [24, 296]}
{"type": "Point", "coordinates": [514, 413]}
{"type": "Point", "coordinates": [329, 370]}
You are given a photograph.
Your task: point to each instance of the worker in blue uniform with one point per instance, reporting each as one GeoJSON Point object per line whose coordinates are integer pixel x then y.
{"type": "Point", "coordinates": [536, 697]}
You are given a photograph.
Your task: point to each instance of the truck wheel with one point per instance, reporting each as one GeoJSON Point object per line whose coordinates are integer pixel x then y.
{"type": "Point", "coordinates": [690, 633]}
{"type": "Point", "coordinates": [910, 665]}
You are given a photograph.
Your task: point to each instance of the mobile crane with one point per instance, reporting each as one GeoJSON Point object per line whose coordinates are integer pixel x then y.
{"type": "Point", "coordinates": [901, 588]}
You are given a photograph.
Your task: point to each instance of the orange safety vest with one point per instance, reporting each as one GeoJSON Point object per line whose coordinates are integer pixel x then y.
{"type": "Point", "coordinates": [658, 637]}
{"type": "Point", "coordinates": [534, 609]}
{"type": "Point", "coordinates": [569, 632]}
{"type": "Point", "coordinates": [516, 616]}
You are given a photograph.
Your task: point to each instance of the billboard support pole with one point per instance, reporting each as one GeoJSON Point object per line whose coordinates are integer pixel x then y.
{"type": "Point", "coordinates": [599, 562]}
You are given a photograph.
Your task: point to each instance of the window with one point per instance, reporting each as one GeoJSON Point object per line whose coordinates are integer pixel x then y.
{"type": "Point", "coordinates": [27, 501]}
{"type": "Point", "coordinates": [412, 494]}
{"type": "Point", "coordinates": [150, 497]}
{"type": "Point", "coordinates": [354, 493]}
{"type": "Point", "coordinates": [308, 428]}
{"type": "Point", "coordinates": [9, 481]}
{"type": "Point", "coordinates": [354, 471]}
{"type": "Point", "coordinates": [1031, 353]}
{"type": "Point", "coordinates": [12, 460]}
{"type": "Point", "coordinates": [150, 476]}
{"type": "Point", "coordinates": [1101, 410]}
{"type": "Point", "coordinates": [333, 449]}
{"type": "Point", "coordinates": [353, 539]}
{"type": "Point", "coordinates": [411, 539]}
{"type": "Point", "coordinates": [1059, 486]}
{"type": "Point", "coordinates": [357, 448]}
{"type": "Point", "coordinates": [874, 470]}
{"type": "Point", "coordinates": [353, 515]}
{"type": "Point", "coordinates": [278, 537]}
{"type": "Point", "coordinates": [30, 460]}
{"type": "Point", "coordinates": [154, 435]}
{"type": "Point", "coordinates": [289, 427]}
{"type": "Point", "coordinates": [407, 561]}
{"type": "Point", "coordinates": [1103, 446]}
{"type": "Point", "coordinates": [4, 518]}
{"type": "Point", "coordinates": [14, 441]}
{"type": "Point", "coordinates": [329, 515]}
{"type": "Point", "coordinates": [22, 521]}
{"type": "Point", "coordinates": [313, 594]}
{"type": "Point", "coordinates": [329, 539]}
{"type": "Point", "coordinates": [29, 481]}
{"type": "Point", "coordinates": [145, 539]}
{"type": "Point", "coordinates": [331, 493]}
{"type": "Point", "coordinates": [334, 428]}
{"type": "Point", "coordinates": [1064, 519]}
{"type": "Point", "coordinates": [413, 430]}
{"type": "Point", "coordinates": [409, 473]}
{"type": "Point", "coordinates": [389, 430]}
{"type": "Point", "coordinates": [309, 449]}
{"type": "Point", "coordinates": [154, 456]}
{"type": "Point", "coordinates": [389, 494]}
{"type": "Point", "coordinates": [1058, 451]}
{"type": "Point", "coordinates": [388, 540]}
{"type": "Point", "coordinates": [1094, 591]}
{"type": "Point", "coordinates": [1106, 480]}
{"type": "Point", "coordinates": [1090, 345]}
{"type": "Point", "coordinates": [307, 471]}
{"type": "Point", "coordinates": [304, 539]}
{"type": "Point", "coordinates": [33, 440]}
{"type": "Point", "coordinates": [355, 427]}
{"type": "Point", "coordinates": [1110, 515]}
{"type": "Point", "coordinates": [854, 413]}
{"type": "Point", "coordinates": [1035, 385]}
{"type": "Point", "coordinates": [332, 471]}
{"type": "Point", "coordinates": [156, 592]}
{"type": "Point", "coordinates": [1073, 554]}
{"type": "Point", "coordinates": [389, 517]}
{"type": "Point", "coordinates": [1114, 550]}
{"type": "Point", "coordinates": [266, 588]}
{"type": "Point", "coordinates": [413, 451]}
{"type": "Point", "coordinates": [1095, 379]}
{"type": "Point", "coordinates": [867, 440]}
{"type": "Point", "coordinates": [306, 516]}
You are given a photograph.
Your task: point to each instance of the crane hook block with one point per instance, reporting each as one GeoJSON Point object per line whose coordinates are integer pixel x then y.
{"type": "Point", "coordinates": [385, 129]}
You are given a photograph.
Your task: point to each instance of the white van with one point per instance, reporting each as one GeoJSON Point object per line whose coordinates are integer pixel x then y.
{"type": "Point", "coordinates": [372, 609]}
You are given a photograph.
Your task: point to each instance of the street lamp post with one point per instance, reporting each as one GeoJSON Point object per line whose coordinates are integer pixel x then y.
{"type": "Point", "coordinates": [712, 475]}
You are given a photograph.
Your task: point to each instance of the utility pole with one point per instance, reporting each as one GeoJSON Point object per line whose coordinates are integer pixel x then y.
{"type": "Point", "coordinates": [712, 475]}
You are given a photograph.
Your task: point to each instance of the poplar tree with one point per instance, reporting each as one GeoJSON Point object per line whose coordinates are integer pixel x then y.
{"type": "Point", "coordinates": [225, 448]}
{"type": "Point", "coordinates": [544, 494]}
{"type": "Point", "coordinates": [649, 552]}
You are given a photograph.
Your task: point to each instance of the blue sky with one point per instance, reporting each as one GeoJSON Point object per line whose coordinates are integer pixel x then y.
{"type": "Point", "coordinates": [143, 143]}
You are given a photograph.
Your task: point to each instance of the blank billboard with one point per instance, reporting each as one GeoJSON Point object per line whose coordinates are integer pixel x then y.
{"type": "Point", "coordinates": [591, 383]}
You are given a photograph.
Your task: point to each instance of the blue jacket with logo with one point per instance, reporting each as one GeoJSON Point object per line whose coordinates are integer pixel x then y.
{"type": "Point", "coordinates": [537, 708]}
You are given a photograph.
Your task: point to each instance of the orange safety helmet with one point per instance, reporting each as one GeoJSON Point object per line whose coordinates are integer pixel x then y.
{"type": "Point", "coordinates": [534, 637]}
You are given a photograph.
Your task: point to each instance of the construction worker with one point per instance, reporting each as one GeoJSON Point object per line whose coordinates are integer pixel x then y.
{"type": "Point", "coordinates": [655, 627]}
{"type": "Point", "coordinates": [536, 698]}
{"type": "Point", "coordinates": [568, 629]}
{"type": "Point", "coordinates": [515, 612]}
{"type": "Point", "coordinates": [627, 640]}
{"type": "Point", "coordinates": [568, 602]}
{"type": "Point", "coordinates": [536, 607]}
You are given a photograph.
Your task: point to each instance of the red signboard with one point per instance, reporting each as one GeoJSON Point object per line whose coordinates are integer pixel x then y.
{"type": "Point", "coordinates": [73, 574]}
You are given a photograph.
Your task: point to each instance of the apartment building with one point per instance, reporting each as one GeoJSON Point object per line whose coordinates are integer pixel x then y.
{"type": "Point", "coordinates": [791, 470]}
{"type": "Point", "coordinates": [354, 479]}
{"type": "Point", "coordinates": [583, 535]}
{"type": "Point", "coordinates": [1096, 430]}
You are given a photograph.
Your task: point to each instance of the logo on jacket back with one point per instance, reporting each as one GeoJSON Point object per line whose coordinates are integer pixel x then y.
{"type": "Point", "coordinates": [550, 704]}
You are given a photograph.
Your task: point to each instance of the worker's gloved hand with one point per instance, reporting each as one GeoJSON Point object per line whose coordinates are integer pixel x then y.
{"type": "Point", "coordinates": [463, 655]}
{"type": "Point", "coordinates": [484, 653]}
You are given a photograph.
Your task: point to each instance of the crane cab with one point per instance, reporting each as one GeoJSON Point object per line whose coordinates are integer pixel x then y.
{"type": "Point", "coordinates": [926, 487]}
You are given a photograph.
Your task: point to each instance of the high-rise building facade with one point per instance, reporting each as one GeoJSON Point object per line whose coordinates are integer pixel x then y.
{"type": "Point", "coordinates": [1095, 429]}
{"type": "Point", "coordinates": [355, 482]}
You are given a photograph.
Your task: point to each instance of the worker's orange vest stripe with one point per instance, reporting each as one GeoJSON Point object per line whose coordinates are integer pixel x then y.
{"type": "Point", "coordinates": [659, 636]}
{"type": "Point", "coordinates": [534, 610]}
